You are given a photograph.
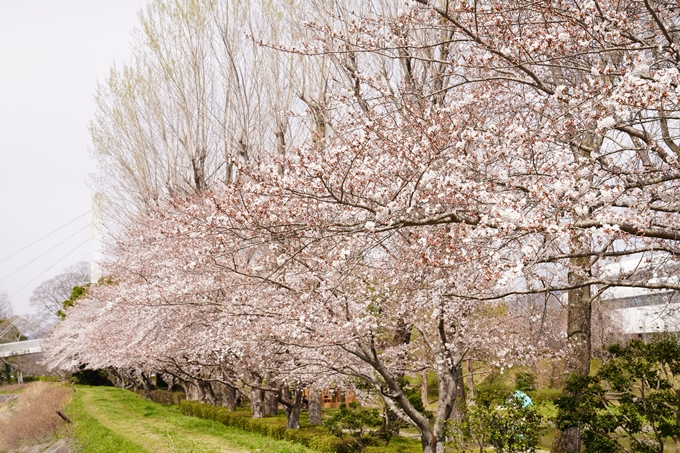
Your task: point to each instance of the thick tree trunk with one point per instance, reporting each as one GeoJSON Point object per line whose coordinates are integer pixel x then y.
{"type": "Point", "coordinates": [192, 391]}
{"type": "Point", "coordinates": [292, 403]}
{"type": "Point", "coordinates": [314, 405]}
{"type": "Point", "coordinates": [459, 407]}
{"type": "Point", "coordinates": [431, 444]}
{"type": "Point", "coordinates": [147, 386]}
{"type": "Point", "coordinates": [20, 377]}
{"type": "Point", "coordinates": [206, 392]}
{"type": "Point", "coordinates": [567, 441]}
{"type": "Point", "coordinates": [271, 404]}
{"type": "Point", "coordinates": [170, 381]}
{"type": "Point", "coordinates": [229, 397]}
{"type": "Point", "coordinates": [293, 417]}
{"type": "Point", "coordinates": [578, 341]}
{"type": "Point", "coordinates": [256, 405]}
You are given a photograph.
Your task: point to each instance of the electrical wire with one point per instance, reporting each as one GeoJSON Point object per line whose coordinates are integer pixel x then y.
{"type": "Point", "coordinates": [54, 264]}
{"type": "Point", "coordinates": [11, 324]}
{"type": "Point", "coordinates": [42, 254]}
{"type": "Point", "coordinates": [47, 235]}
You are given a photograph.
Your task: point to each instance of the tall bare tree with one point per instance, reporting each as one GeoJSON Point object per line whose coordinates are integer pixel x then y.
{"type": "Point", "coordinates": [49, 296]}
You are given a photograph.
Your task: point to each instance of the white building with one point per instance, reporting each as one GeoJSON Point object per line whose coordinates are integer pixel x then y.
{"type": "Point", "coordinates": [648, 313]}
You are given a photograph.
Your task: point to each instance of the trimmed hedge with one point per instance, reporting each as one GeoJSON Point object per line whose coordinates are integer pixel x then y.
{"type": "Point", "coordinates": [315, 437]}
{"type": "Point", "coordinates": [163, 396]}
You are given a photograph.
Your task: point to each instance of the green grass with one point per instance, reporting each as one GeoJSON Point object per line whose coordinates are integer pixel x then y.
{"type": "Point", "coordinates": [91, 436]}
{"type": "Point", "coordinates": [113, 420]}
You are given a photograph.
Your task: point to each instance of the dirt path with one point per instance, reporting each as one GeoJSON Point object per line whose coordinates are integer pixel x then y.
{"type": "Point", "coordinates": [156, 429]}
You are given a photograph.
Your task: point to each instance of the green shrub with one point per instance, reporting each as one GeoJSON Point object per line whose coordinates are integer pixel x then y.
{"type": "Point", "coordinates": [315, 437]}
{"type": "Point", "coordinates": [544, 395]}
{"type": "Point", "coordinates": [525, 381]}
{"type": "Point", "coordinates": [632, 398]}
{"type": "Point", "coordinates": [432, 387]}
{"type": "Point", "coordinates": [503, 424]}
{"type": "Point", "coordinates": [397, 445]}
{"type": "Point", "coordinates": [353, 426]}
{"type": "Point", "coordinates": [493, 389]}
{"type": "Point", "coordinates": [163, 396]}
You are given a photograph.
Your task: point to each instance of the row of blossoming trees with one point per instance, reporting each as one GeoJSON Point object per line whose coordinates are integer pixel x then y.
{"type": "Point", "coordinates": [352, 197]}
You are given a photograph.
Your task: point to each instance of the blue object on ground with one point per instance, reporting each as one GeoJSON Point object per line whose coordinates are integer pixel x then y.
{"type": "Point", "coordinates": [524, 398]}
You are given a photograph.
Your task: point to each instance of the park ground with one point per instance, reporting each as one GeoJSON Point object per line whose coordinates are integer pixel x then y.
{"type": "Point", "coordinates": [111, 420]}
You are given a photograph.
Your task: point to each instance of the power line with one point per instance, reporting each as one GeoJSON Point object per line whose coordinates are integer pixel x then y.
{"type": "Point", "coordinates": [11, 324]}
{"type": "Point", "coordinates": [54, 264]}
{"type": "Point", "coordinates": [42, 254]}
{"type": "Point", "coordinates": [47, 235]}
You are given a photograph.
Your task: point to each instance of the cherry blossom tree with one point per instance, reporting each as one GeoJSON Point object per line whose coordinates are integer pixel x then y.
{"type": "Point", "coordinates": [459, 156]}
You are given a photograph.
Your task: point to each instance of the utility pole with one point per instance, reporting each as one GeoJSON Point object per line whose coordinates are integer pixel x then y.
{"type": "Point", "coordinates": [97, 237]}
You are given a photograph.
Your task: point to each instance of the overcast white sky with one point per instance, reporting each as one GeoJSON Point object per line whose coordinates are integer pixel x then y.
{"type": "Point", "coordinates": [52, 54]}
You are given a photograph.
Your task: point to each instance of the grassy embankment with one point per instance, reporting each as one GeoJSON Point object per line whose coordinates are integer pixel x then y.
{"type": "Point", "coordinates": [111, 420]}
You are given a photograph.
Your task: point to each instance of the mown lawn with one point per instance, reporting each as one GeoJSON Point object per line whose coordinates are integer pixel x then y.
{"type": "Point", "coordinates": [111, 420]}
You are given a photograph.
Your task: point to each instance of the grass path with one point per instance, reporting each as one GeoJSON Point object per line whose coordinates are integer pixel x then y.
{"type": "Point", "coordinates": [112, 420]}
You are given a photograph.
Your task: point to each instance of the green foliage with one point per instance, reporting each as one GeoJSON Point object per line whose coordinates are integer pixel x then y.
{"type": "Point", "coordinates": [353, 425]}
{"type": "Point", "coordinates": [493, 389]}
{"type": "Point", "coordinates": [135, 423]}
{"type": "Point", "coordinates": [544, 395]}
{"type": "Point", "coordinates": [503, 424]}
{"type": "Point", "coordinates": [397, 445]}
{"type": "Point", "coordinates": [633, 396]}
{"type": "Point", "coordinates": [432, 386]}
{"type": "Point", "coordinates": [525, 381]}
{"type": "Point", "coordinates": [76, 293]}
{"type": "Point", "coordinates": [164, 397]}
{"type": "Point", "coordinates": [91, 377]}
{"type": "Point", "coordinates": [314, 437]}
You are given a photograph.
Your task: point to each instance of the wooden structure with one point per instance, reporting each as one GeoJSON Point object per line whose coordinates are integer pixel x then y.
{"type": "Point", "coordinates": [332, 398]}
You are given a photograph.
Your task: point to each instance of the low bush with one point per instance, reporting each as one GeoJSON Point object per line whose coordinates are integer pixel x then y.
{"type": "Point", "coordinates": [397, 445]}
{"type": "Point", "coordinates": [508, 425]}
{"type": "Point", "coordinates": [356, 426]}
{"type": "Point", "coordinates": [495, 387]}
{"type": "Point", "coordinates": [315, 437]}
{"type": "Point", "coordinates": [525, 381]}
{"type": "Point", "coordinates": [544, 395]}
{"type": "Point", "coordinates": [28, 379]}
{"type": "Point", "coordinates": [163, 396]}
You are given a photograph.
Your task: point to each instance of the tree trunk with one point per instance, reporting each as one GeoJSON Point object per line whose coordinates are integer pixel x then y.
{"type": "Point", "coordinates": [206, 393]}
{"type": "Point", "coordinates": [423, 388]}
{"type": "Point", "coordinates": [578, 341]}
{"type": "Point", "coordinates": [677, 419]}
{"type": "Point", "coordinates": [229, 397]}
{"type": "Point", "coordinates": [314, 405]}
{"type": "Point", "coordinates": [459, 408]}
{"type": "Point", "coordinates": [256, 403]}
{"type": "Point", "coordinates": [271, 404]}
{"type": "Point", "coordinates": [431, 444]}
{"type": "Point", "coordinates": [567, 441]}
{"type": "Point", "coordinates": [470, 383]}
{"type": "Point", "coordinates": [170, 381]}
{"type": "Point", "coordinates": [147, 389]}
{"type": "Point", "coordinates": [293, 416]}
{"type": "Point", "coordinates": [20, 377]}
{"type": "Point", "coordinates": [292, 403]}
